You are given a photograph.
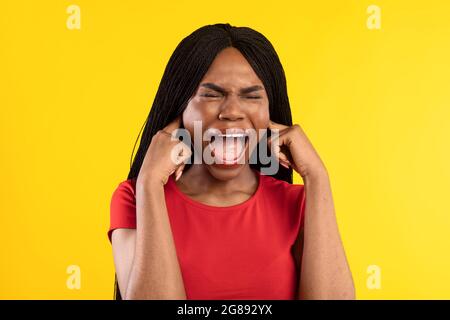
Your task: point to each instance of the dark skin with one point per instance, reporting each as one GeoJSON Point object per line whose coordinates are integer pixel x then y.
{"type": "Point", "coordinates": [229, 96]}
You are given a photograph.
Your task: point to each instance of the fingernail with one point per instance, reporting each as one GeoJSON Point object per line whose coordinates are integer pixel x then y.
{"type": "Point", "coordinates": [178, 175]}
{"type": "Point", "coordinates": [284, 165]}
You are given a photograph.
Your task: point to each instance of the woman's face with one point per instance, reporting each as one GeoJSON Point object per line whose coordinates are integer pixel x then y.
{"type": "Point", "coordinates": [230, 96]}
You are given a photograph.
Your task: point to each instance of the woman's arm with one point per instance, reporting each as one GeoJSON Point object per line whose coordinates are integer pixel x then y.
{"type": "Point", "coordinates": [155, 272]}
{"type": "Point", "coordinates": [145, 258]}
{"type": "Point", "coordinates": [146, 261]}
{"type": "Point", "coordinates": [325, 273]}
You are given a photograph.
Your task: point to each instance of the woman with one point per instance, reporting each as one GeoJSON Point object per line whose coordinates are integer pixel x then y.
{"type": "Point", "coordinates": [223, 230]}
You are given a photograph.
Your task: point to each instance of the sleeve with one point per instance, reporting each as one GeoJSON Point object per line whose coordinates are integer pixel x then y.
{"type": "Point", "coordinates": [122, 208]}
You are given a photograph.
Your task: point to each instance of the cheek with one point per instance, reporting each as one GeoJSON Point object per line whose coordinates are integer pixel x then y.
{"type": "Point", "coordinates": [261, 118]}
{"type": "Point", "coordinates": [195, 111]}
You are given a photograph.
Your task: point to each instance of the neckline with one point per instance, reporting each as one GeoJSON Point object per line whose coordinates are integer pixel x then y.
{"type": "Point", "coordinates": [208, 207]}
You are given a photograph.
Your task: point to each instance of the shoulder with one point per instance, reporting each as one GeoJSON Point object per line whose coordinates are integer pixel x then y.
{"type": "Point", "coordinates": [282, 189]}
{"type": "Point", "coordinates": [124, 196]}
{"type": "Point", "coordinates": [128, 185]}
{"type": "Point", "coordinates": [290, 199]}
{"type": "Point", "coordinates": [285, 196]}
{"type": "Point", "coordinates": [125, 191]}
{"type": "Point", "coordinates": [123, 206]}
{"type": "Point", "coordinates": [125, 188]}
{"type": "Point", "coordinates": [123, 199]}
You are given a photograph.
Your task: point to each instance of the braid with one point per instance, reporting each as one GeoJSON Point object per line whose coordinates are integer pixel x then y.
{"type": "Point", "coordinates": [187, 66]}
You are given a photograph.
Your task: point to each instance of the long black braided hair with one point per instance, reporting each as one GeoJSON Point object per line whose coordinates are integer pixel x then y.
{"type": "Point", "coordinates": [186, 68]}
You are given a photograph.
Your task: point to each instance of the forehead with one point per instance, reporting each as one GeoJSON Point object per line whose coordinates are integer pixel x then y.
{"type": "Point", "coordinates": [231, 69]}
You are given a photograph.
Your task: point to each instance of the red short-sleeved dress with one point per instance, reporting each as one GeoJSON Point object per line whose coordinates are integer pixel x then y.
{"type": "Point", "coordinates": [242, 251]}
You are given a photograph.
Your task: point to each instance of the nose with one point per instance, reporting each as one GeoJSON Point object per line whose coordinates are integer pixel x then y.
{"type": "Point", "coordinates": [231, 110]}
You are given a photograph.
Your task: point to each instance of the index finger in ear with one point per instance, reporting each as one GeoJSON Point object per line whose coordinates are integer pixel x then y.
{"type": "Point", "coordinates": [172, 126]}
{"type": "Point", "coordinates": [274, 125]}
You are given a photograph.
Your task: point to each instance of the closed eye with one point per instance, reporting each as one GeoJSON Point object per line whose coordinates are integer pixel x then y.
{"type": "Point", "coordinates": [208, 95]}
{"type": "Point", "coordinates": [253, 97]}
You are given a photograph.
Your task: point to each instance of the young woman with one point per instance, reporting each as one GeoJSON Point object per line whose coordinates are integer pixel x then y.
{"type": "Point", "coordinates": [224, 230]}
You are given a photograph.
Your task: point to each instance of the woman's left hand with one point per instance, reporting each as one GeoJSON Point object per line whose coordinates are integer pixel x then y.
{"type": "Point", "coordinates": [295, 150]}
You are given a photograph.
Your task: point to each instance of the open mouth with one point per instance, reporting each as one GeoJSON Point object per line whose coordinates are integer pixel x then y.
{"type": "Point", "coordinates": [229, 148]}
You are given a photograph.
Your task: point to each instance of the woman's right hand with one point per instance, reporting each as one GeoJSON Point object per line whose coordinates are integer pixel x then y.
{"type": "Point", "coordinates": [165, 155]}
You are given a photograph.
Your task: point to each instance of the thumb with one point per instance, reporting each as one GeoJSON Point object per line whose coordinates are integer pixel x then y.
{"type": "Point", "coordinates": [184, 157]}
{"type": "Point", "coordinates": [179, 171]}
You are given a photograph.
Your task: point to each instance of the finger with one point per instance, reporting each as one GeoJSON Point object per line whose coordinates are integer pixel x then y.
{"type": "Point", "coordinates": [176, 153]}
{"type": "Point", "coordinates": [276, 143]}
{"type": "Point", "coordinates": [172, 126]}
{"type": "Point", "coordinates": [284, 165]}
{"type": "Point", "coordinates": [283, 158]}
{"type": "Point", "coordinates": [274, 125]}
{"type": "Point", "coordinates": [185, 154]}
{"type": "Point", "coordinates": [179, 171]}
{"type": "Point", "coordinates": [276, 148]}
{"type": "Point", "coordinates": [180, 153]}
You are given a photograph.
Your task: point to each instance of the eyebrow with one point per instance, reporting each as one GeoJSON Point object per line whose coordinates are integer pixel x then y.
{"type": "Point", "coordinates": [217, 88]}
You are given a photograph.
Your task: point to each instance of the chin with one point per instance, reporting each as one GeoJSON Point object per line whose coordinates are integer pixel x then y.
{"type": "Point", "coordinates": [225, 172]}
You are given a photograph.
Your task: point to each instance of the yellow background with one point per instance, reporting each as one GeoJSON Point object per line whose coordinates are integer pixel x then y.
{"type": "Point", "coordinates": [375, 104]}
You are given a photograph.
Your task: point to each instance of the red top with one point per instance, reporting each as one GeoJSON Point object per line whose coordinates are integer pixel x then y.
{"type": "Point", "coordinates": [237, 252]}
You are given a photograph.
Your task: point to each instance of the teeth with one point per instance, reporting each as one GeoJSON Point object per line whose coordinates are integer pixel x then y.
{"type": "Point", "coordinates": [229, 148]}
{"type": "Point", "coordinates": [228, 136]}
{"type": "Point", "coordinates": [232, 135]}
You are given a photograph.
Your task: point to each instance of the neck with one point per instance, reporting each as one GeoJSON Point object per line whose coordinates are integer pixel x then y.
{"type": "Point", "coordinates": [198, 179]}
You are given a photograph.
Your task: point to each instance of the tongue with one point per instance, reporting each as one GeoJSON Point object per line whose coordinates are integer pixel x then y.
{"type": "Point", "coordinates": [227, 150]}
